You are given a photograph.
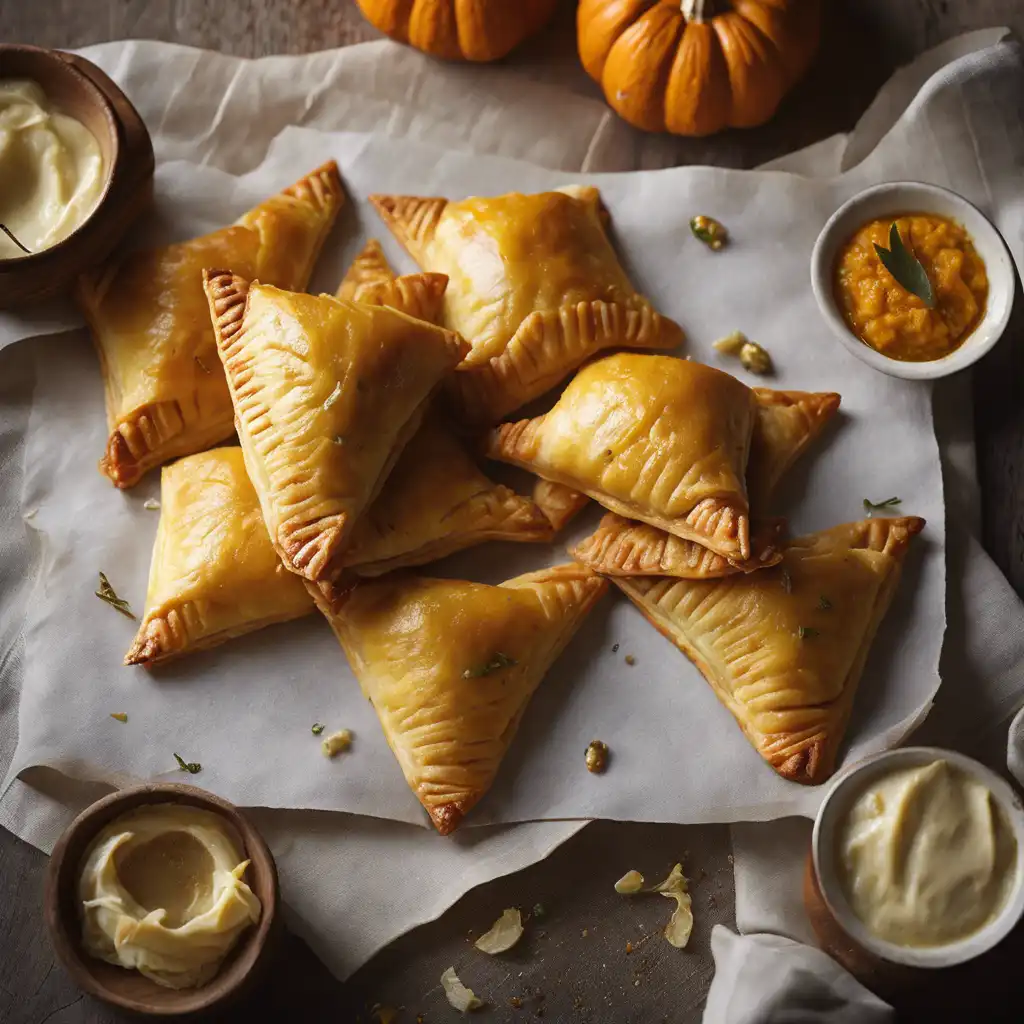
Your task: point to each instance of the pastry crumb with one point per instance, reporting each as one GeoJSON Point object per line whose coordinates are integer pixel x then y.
{"type": "Point", "coordinates": [337, 742]}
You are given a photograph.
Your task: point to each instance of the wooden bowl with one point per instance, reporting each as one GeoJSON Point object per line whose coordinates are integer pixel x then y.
{"type": "Point", "coordinates": [81, 89]}
{"type": "Point", "coordinates": [129, 989]}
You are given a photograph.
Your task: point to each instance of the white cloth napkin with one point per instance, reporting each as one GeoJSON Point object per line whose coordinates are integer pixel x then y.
{"type": "Point", "coordinates": [769, 979]}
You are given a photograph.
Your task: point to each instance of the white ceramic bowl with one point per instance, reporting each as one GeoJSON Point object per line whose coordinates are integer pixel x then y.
{"type": "Point", "coordinates": [845, 789]}
{"type": "Point", "coordinates": [898, 198]}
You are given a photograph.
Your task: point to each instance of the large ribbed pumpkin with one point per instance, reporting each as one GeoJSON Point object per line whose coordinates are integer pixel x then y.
{"type": "Point", "coordinates": [479, 30]}
{"type": "Point", "coordinates": [694, 67]}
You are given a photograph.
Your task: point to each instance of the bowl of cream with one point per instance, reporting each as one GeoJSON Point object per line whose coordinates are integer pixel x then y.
{"type": "Point", "coordinates": [919, 856]}
{"type": "Point", "coordinates": [76, 169]}
{"type": "Point", "coordinates": [161, 899]}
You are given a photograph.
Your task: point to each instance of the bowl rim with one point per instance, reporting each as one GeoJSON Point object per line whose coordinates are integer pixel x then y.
{"type": "Point", "coordinates": [85, 827]}
{"type": "Point", "coordinates": [97, 96]}
{"type": "Point", "coordinates": [844, 787]}
{"type": "Point", "coordinates": [990, 328]}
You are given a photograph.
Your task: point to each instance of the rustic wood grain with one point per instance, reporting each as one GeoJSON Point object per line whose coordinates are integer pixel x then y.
{"type": "Point", "coordinates": [559, 972]}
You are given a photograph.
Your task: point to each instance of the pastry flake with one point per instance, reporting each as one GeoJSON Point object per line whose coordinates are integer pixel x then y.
{"type": "Point", "coordinates": [622, 547]}
{"type": "Point", "coordinates": [450, 667]}
{"type": "Point", "coordinates": [165, 389]}
{"type": "Point", "coordinates": [654, 438]}
{"type": "Point", "coordinates": [370, 279]}
{"type": "Point", "coordinates": [214, 574]}
{"type": "Point", "coordinates": [534, 285]}
{"type": "Point", "coordinates": [784, 648]}
{"type": "Point", "coordinates": [326, 394]}
{"type": "Point", "coordinates": [435, 502]}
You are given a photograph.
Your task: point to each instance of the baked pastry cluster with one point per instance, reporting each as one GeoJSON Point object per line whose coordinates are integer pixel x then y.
{"type": "Point", "coordinates": [359, 419]}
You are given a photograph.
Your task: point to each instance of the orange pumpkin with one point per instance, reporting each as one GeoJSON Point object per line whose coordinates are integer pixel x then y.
{"type": "Point", "coordinates": [479, 30]}
{"type": "Point", "coordinates": [694, 67]}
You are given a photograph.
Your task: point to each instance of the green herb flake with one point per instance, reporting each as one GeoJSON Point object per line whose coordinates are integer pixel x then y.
{"type": "Point", "coordinates": [497, 662]}
{"type": "Point", "coordinates": [120, 716]}
{"type": "Point", "coordinates": [318, 727]}
{"type": "Point", "coordinates": [824, 603]}
{"type": "Point", "coordinates": [874, 506]}
{"type": "Point", "coordinates": [905, 267]}
{"type": "Point", "coordinates": [539, 912]}
{"type": "Point", "coordinates": [108, 594]}
{"type": "Point", "coordinates": [192, 767]}
{"type": "Point", "coordinates": [807, 632]}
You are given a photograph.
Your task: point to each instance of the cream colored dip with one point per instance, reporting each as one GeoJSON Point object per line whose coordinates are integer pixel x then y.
{"type": "Point", "coordinates": [51, 169]}
{"type": "Point", "coordinates": [162, 892]}
{"type": "Point", "coordinates": [926, 856]}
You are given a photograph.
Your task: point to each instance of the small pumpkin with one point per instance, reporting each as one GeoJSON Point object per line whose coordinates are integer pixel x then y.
{"type": "Point", "coordinates": [694, 67]}
{"type": "Point", "coordinates": [478, 30]}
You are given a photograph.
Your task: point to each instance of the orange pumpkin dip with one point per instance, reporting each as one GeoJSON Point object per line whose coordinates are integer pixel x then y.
{"type": "Point", "coordinates": [895, 322]}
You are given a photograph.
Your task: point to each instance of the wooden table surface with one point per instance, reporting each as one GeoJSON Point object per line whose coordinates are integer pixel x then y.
{"type": "Point", "coordinates": [574, 967]}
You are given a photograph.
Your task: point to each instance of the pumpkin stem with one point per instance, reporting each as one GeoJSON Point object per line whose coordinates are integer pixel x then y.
{"type": "Point", "coordinates": [697, 11]}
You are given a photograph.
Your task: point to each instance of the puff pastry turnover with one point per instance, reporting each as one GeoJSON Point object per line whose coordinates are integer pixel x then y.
{"type": "Point", "coordinates": [370, 279]}
{"type": "Point", "coordinates": [786, 423]}
{"type": "Point", "coordinates": [650, 437]}
{"type": "Point", "coordinates": [436, 501]}
{"type": "Point", "coordinates": [784, 648]}
{"type": "Point", "coordinates": [165, 389]}
{"type": "Point", "coordinates": [215, 574]}
{"type": "Point", "coordinates": [326, 393]}
{"type": "Point", "coordinates": [450, 667]}
{"type": "Point", "coordinates": [663, 440]}
{"type": "Point", "coordinates": [534, 285]}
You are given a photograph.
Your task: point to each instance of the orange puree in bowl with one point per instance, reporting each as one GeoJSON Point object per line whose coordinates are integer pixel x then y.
{"type": "Point", "coordinates": [884, 315]}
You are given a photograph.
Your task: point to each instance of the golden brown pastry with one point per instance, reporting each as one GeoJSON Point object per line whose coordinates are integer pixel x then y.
{"type": "Point", "coordinates": [534, 286]}
{"type": "Point", "coordinates": [165, 388]}
{"type": "Point", "coordinates": [560, 504]}
{"type": "Point", "coordinates": [784, 648]}
{"type": "Point", "coordinates": [450, 666]}
{"type": "Point", "coordinates": [371, 280]}
{"type": "Point", "coordinates": [436, 501]}
{"type": "Point", "coordinates": [665, 441]}
{"type": "Point", "coordinates": [326, 395]}
{"type": "Point", "coordinates": [623, 547]}
{"type": "Point", "coordinates": [215, 574]}
{"type": "Point", "coordinates": [654, 438]}
{"type": "Point", "coordinates": [786, 423]}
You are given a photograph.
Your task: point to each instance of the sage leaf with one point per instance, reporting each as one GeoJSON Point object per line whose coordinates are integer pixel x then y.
{"type": "Point", "coordinates": [906, 268]}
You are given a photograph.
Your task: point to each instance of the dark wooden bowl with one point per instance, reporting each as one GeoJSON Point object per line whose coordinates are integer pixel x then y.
{"type": "Point", "coordinates": [129, 989]}
{"type": "Point", "coordinates": [81, 89]}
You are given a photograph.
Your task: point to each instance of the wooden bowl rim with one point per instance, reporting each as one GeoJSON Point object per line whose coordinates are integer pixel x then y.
{"type": "Point", "coordinates": [60, 58]}
{"type": "Point", "coordinates": [67, 943]}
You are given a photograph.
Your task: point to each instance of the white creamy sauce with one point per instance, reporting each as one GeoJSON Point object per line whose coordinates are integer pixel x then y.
{"type": "Point", "coordinates": [162, 891]}
{"type": "Point", "coordinates": [51, 169]}
{"type": "Point", "coordinates": [926, 856]}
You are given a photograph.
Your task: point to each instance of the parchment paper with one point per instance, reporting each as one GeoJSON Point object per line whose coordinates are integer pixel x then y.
{"type": "Point", "coordinates": [244, 710]}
